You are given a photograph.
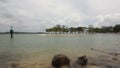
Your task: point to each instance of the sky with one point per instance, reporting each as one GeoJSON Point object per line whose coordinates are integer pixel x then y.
{"type": "Point", "coordinates": [37, 15]}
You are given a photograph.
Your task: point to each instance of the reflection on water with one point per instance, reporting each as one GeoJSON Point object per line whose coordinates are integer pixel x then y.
{"type": "Point", "coordinates": [30, 47]}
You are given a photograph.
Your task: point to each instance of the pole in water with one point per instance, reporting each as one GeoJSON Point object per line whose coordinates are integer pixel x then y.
{"type": "Point", "coordinates": [11, 32]}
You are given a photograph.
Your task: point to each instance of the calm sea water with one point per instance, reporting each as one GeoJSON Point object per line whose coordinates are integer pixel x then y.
{"type": "Point", "coordinates": [25, 47]}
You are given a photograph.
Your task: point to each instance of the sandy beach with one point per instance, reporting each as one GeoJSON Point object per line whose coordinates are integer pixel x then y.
{"type": "Point", "coordinates": [100, 61]}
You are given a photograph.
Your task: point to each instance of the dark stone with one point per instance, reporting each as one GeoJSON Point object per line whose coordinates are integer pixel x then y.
{"type": "Point", "coordinates": [91, 49]}
{"type": "Point", "coordinates": [60, 60]}
{"type": "Point", "coordinates": [114, 59]}
{"type": "Point", "coordinates": [82, 60]}
{"type": "Point", "coordinates": [13, 65]}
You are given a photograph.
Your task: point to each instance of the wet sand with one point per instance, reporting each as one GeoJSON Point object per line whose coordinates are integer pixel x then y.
{"type": "Point", "coordinates": [96, 59]}
{"type": "Point", "coordinates": [101, 61]}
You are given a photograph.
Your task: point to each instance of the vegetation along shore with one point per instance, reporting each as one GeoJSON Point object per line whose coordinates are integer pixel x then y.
{"type": "Point", "coordinates": [90, 29]}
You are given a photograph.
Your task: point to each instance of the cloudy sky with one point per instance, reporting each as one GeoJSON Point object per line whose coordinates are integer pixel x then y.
{"type": "Point", "coordinates": [36, 15]}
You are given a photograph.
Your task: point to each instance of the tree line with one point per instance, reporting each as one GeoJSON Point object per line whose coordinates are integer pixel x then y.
{"type": "Point", "coordinates": [90, 29]}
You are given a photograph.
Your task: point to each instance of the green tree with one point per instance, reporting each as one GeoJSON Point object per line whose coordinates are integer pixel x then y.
{"type": "Point", "coordinates": [116, 28]}
{"type": "Point", "coordinates": [79, 29]}
{"type": "Point", "coordinates": [72, 30]}
{"type": "Point", "coordinates": [90, 29]}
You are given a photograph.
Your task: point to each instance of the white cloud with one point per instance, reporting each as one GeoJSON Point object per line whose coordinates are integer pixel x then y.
{"type": "Point", "coordinates": [32, 14]}
{"type": "Point", "coordinates": [108, 20]}
{"type": "Point", "coordinates": [36, 15]}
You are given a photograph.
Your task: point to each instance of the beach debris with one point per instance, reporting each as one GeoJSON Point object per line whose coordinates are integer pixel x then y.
{"type": "Point", "coordinates": [82, 60]}
{"type": "Point", "coordinates": [91, 49]}
{"type": "Point", "coordinates": [60, 60]}
{"type": "Point", "coordinates": [109, 66]}
{"type": "Point", "coordinates": [14, 65]}
{"type": "Point", "coordinates": [109, 53]}
{"type": "Point", "coordinates": [114, 55]}
{"type": "Point", "coordinates": [114, 59]}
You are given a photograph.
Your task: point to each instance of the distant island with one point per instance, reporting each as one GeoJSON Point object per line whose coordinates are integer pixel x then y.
{"type": "Point", "coordinates": [61, 29]}
{"type": "Point", "coordinates": [24, 33]}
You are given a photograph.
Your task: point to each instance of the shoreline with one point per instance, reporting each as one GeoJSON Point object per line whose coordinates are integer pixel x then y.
{"type": "Point", "coordinates": [60, 33]}
{"type": "Point", "coordinates": [96, 59]}
{"type": "Point", "coordinates": [93, 62]}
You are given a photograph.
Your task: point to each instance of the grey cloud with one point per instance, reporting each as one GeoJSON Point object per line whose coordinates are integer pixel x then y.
{"type": "Point", "coordinates": [36, 15]}
{"type": "Point", "coordinates": [108, 20]}
{"type": "Point", "coordinates": [4, 1]}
